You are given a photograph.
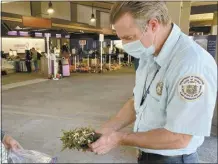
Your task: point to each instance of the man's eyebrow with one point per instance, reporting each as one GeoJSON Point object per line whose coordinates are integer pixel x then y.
{"type": "Point", "coordinates": [127, 36]}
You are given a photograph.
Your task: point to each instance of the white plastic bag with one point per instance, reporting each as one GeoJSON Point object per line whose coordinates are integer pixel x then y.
{"type": "Point", "coordinates": [29, 156]}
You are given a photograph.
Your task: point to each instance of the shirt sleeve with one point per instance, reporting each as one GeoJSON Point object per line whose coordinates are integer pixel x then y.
{"type": "Point", "coordinates": [192, 92]}
{"type": "Point", "coordinates": [2, 135]}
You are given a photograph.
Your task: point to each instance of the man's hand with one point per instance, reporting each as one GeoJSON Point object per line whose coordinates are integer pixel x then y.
{"type": "Point", "coordinates": [107, 142]}
{"type": "Point", "coordinates": [10, 143]}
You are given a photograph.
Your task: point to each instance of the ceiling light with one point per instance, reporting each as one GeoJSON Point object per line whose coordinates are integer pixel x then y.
{"type": "Point", "coordinates": [92, 16]}
{"type": "Point", "coordinates": [50, 8]}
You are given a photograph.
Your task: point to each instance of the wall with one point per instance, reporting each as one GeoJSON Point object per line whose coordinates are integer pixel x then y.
{"type": "Point", "coordinates": [104, 20]}
{"type": "Point", "coordinates": [61, 10]}
{"type": "Point", "coordinates": [84, 14]}
{"type": "Point", "coordinates": [21, 8]}
{"type": "Point", "coordinates": [21, 44]}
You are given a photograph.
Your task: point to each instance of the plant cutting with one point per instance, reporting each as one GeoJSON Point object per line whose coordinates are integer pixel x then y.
{"type": "Point", "coordinates": [79, 138]}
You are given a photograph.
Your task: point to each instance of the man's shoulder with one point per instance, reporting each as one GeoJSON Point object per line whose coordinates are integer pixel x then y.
{"type": "Point", "coordinates": [188, 52]}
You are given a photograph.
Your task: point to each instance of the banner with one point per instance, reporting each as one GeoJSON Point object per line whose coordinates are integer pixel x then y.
{"type": "Point", "coordinates": [22, 44]}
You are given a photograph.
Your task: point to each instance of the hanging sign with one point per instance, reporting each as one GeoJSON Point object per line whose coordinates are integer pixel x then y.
{"type": "Point", "coordinates": [101, 37]}
{"type": "Point", "coordinates": [82, 42]}
{"type": "Point", "coordinates": [211, 45]}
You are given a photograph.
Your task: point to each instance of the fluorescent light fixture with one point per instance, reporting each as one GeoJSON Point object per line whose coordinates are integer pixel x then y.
{"type": "Point", "coordinates": [37, 34]}
{"type": "Point", "coordinates": [23, 33]}
{"type": "Point", "coordinates": [58, 35]}
{"type": "Point", "coordinates": [12, 33]}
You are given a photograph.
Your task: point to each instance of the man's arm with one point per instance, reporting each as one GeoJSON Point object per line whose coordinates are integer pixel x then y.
{"type": "Point", "coordinates": [123, 118]}
{"type": "Point", "coordinates": [159, 139]}
{"type": "Point", "coordinates": [156, 139]}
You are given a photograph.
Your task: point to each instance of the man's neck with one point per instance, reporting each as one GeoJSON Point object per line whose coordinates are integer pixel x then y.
{"type": "Point", "coordinates": [163, 35]}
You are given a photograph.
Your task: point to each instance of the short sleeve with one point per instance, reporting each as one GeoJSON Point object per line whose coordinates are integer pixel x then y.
{"type": "Point", "coordinates": [192, 92]}
{"type": "Point", "coordinates": [2, 134]}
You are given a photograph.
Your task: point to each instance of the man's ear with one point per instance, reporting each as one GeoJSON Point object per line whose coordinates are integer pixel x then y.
{"type": "Point", "coordinates": [153, 24]}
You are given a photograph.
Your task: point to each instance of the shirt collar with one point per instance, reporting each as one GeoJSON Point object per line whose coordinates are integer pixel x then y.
{"type": "Point", "coordinates": [165, 53]}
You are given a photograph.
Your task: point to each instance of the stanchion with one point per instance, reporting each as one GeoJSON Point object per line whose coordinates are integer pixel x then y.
{"type": "Point", "coordinates": [88, 60]}
{"type": "Point", "coordinates": [109, 61]}
{"type": "Point", "coordinates": [101, 56]}
{"type": "Point", "coordinates": [119, 59]}
{"type": "Point", "coordinates": [75, 62]}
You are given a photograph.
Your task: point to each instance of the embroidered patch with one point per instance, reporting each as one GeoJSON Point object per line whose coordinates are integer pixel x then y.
{"type": "Point", "coordinates": [159, 88]}
{"type": "Point", "coordinates": [191, 87]}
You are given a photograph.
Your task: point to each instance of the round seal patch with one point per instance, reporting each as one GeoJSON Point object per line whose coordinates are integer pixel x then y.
{"type": "Point", "coordinates": [191, 87]}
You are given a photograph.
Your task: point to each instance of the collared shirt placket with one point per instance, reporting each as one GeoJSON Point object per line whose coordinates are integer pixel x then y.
{"type": "Point", "coordinates": [143, 107]}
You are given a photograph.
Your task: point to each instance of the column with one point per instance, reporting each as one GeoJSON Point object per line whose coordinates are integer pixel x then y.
{"type": "Point", "coordinates": [180, 14]}
{"type": "Point", "coordinates": [214, 24]}
{"type": "Point", "coordinates": [184, 18]}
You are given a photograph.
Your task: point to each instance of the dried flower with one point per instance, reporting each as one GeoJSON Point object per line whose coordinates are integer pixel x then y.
{"type": "Point", "coordinates": [79, 138]}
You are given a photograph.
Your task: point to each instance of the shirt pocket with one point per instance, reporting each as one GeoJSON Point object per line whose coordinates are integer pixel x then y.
{"type": "Point", "coordinates": [155, 101]}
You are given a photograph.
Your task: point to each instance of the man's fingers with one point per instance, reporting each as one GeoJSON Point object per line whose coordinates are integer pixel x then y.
{"type": "Point", "coordinates": [99, 150]}
{"type": "Point", "coordinates": [97, 143]}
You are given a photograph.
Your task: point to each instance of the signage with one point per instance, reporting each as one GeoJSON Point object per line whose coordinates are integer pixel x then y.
{"type": "Point", "coordinates": [207, 42]}
{"type": "Point", "coordinates": [67, 36]}
{"type": "Point", "coordinates": [58, 35]}
{"type": "Point", "coordinates": [47, 34]}
{"type": "Point", "coordinates": [12, 33]}
{"type": "Point", "coordinates": [101, 37]}
{"type": "Point", "coordinates": [211, 45]}
{"type": "Point", "coordinates": [22, 44]}
{"type": "Point", "coordinates": [38, 34]}
{"type": "Point", "coordinates": [36, 22]}
{"type": "Point", "coordinates": [23, 33]}
{"type": "Point", "coordinates": [82, 42]}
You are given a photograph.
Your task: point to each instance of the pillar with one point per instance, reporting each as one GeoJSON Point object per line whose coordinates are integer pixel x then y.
{"type": "Point", "coordinates": [180, 14]}
{"type": "Point", "coordinates": [73, 9]}
{"type": "Point", "coordinates": [35, 8]}
{"type": "Point", "coordinates": [185, 15]}
{"type": "Point", "coordinates": [214, 24]}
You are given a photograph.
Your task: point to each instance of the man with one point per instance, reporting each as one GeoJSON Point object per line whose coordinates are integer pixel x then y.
{"type": "Point", "coordinates": [175, 91]}
{"type": "Point", "coordinates": [34, 58]}
{"type": "Point", "coordinates": [28, 61]}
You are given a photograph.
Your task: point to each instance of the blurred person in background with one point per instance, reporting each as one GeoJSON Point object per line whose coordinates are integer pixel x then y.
{"type": "Point", "coordinates": [28, 61]}
{"type": "Point", "coordinates": [34, 58]}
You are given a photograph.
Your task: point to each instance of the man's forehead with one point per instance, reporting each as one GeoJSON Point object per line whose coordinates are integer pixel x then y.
{"type": "Point", "coordinates": [125, 26]}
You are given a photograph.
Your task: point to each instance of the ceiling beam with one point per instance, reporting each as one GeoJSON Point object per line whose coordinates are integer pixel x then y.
{"type": "Point", "coordinates": [101, 5]}
{"type": "Point", "coordinates": [203, 3]}
{"type": "Point", "coordinates": [200, 23]}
